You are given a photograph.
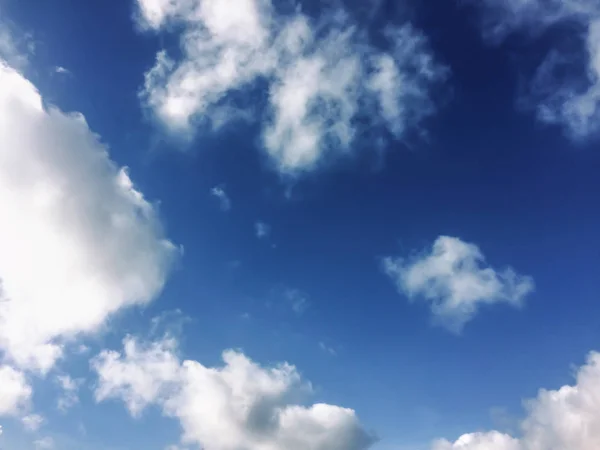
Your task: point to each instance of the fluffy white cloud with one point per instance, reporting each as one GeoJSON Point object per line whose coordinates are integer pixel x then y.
{"type": "Point", "coordinates": [322, 81]}
{"type": "Point", "coordinates": [564, 419]}
{"type": "Point", "coordinates": [453, 278]}
{"type": "Point", "coordinates": [78, 241]}
{"type": "Point", "coordinates": [224, 200]}
{"type": "Point", "coordinates": [574, 102]}
{"type": "Point", "coordinates": [239, 406]}
{"type": "Point", "coordinates": [32, 422]}
{"type": "Point", "coordinates": [70, 391]}
{"type": "Point", "coordinates": [15, 391]}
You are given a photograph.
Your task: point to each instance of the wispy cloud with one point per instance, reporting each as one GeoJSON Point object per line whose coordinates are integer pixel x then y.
{"type": "Point", "coordinates": [32, 422]}
{"type": "Point", "coordinates": [454, 279]}
{"type": "Point", "coordinates": [70, 392]}
{"type": "Point", "coordinates": [327, 349]}
{"type": "Point", "coordinates": [262, 230]}
{"type": "Point", "coordinates": [323, 76]}
{"type": "Point", "coordinates": [559, 93]}
{"type": "Point", "coordinates": [219, 193]}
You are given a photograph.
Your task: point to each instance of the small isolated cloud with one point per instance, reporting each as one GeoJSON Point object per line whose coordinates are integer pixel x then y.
{"type": "Point", "coordinates": [62, 70]}
{"type": "Point", "coordinates": [70, 392]}
{"type": "Point", "coordinates": [297, 300]}
{"type": "Point", "coordinates": [15, 391]}
{"type": "Point", "coordinates": [32, 422]}
{"type": "Point", "coordinates": [45, 443]}
{"type": "Point", "coordinates": [262, 230]}
{"type": "Point", "coordinates": [564, 419]}
{"type": "Point", "coordinates": [240, 404]}
{"type": "Point", "coordinates": [327, 86]}
{"type": "Point", "coordinates": [73, 227]}
{"type": "Point", "coordinates": [325, 348]}
{"type": "Point", "coordinates": [224, 201]}
{"type": "Point", "coordinates": [560, 96]}
{"type": "Point", "coordinates": [454, 280]}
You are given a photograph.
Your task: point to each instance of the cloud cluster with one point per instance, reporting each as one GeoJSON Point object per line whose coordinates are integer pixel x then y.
{"type": "Point", "coordinates": [78, 241]}
{"type": "Point", "coordinates": [570, 100]}
{"type": "Point", "coordinates": [327, 85]}
{"type": "Point", "coordinates": [564, 419]}
{"type": "Point", "coordinates": [238, 406]}
{"type": "Point", "coordinates": [453, 278]}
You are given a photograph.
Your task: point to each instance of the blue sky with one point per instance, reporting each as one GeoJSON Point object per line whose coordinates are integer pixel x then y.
{"type": "Point", "coordinates": [299, 225]}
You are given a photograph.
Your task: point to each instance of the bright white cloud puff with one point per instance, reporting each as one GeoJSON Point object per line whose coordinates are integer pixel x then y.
{"type": "Point", "coordinates": [327, 85]}
{"type": "Point", "coordinates": [565, 419]}
{"type": "Point", "coordinates": [453, 279]}
{"type": "Point", "coordinates": [78, 241]}
{"type": "Point", "coordinates": [573, 101]}
{"type": "Point", "coordinates": [239, 406]}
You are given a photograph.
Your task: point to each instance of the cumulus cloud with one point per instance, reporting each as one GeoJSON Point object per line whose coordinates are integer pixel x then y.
{"type": "Point", "coordinates": [573, 101]}
{"type": "Point", "coordinates": [15, 391]}
{"type": "Point", "coordinates": [564, 419]}
{"type": "Point", "coordinates": [224, 201]}
{"type": "Point", "coordinates": [238, 406]}
{"type": "Point", "coordinates": [79, 242]}
{"type": "Point", "coordinates": [454, 279]}
{"type": "Point", "coordinates": [32, 422]}
{"type": "Point", "coordinates": [327, 85]}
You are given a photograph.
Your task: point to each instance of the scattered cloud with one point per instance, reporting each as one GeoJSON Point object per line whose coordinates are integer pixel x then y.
{"type": "Point", "coordinates": [240, 405]}
{"type": "Point", "coordinates": [44, 443]}
{"type": "Point", "coordinates": [32, 422]}
{"type": "Point", "coordinates": [70, 391]}
{"type": "Point", "coordinates": [566, 418]}
{"type": "Point", "coordinates": [453, 278]}
{"type": "Point", "coordinates": [327, 85]}
{"type": "Point", "coordinates": [560, 96]}
{"type": "Point", "coordinates": [262, 230]}
{"type": "Point", "coordinates": [15, 391]}
{"type": "Point", "coordinates": [73, 227]}
{"type": "Point", "coordinates": [224, 200]}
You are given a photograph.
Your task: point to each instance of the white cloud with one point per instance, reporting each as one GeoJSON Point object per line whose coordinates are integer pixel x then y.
{"type": "Point", "coordinates": [44, 443]}
{"type": "Point", "coordinates": [32, 422]}
{"type": "Point", "coordinates": [15, 391]}
{"type": "Point", "coordinates": [262, 230]}
{"type": "Point", "coordinates": [321, 80]}
{"type": "Point", "coordinates": [70, 391]}
{"type": "Point", "coordinates": [564, 419]}
{"type": "Point", "coordinates": [571, 101]}
{"type": "Point", "coordinates": [79, 242]}
{"type": "Point", "coordinates": [62, 70]}
{"type": "Point", "coordinates": [221, 195]}
{"type": "Point", "coordinates": [453, 278]}
{"type": "Point", "coordinates": [238, 406]}
{"type": "Point", "coordinates": [15, 46]}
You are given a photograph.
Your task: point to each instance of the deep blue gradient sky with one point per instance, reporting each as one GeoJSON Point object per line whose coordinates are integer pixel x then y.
{"type": "Point", "coordinates": [485, 171]}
